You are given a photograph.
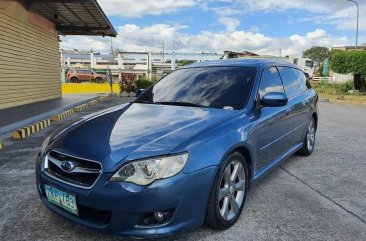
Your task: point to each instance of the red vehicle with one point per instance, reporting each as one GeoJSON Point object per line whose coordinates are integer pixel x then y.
{"type": "Point", "coordinates": [84, 75]}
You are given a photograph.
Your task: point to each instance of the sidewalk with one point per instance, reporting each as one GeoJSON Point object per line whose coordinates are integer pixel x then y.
{"type": "Point", "coordinates": [17, 117]}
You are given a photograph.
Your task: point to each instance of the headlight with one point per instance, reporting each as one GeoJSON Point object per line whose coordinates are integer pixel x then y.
{"type": "Point", "coordinates": [144, 172]}
{"type": "Point", "coordinates": [45, 145]}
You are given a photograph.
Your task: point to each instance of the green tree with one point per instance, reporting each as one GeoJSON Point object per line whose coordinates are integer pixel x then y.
{"type": "Point", "coordinates": [351, 62]}
{"type": "Point", "coordinates": [317, 53]}
{"type": "Point", "coordinates": [184, 62]}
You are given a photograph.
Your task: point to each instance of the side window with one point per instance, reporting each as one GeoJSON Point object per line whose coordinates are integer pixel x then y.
{"type": "Point", "coordinates": [270, 82]}
{"type": "Point", "coordinates": [294, 81]}
{"type": "Point", "coordinates": [79, 71]}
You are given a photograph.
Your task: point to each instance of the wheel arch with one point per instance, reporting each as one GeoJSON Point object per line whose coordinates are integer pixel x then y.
{"type": "Point", "coordinates": [315, 116]}
{"type": "Point", "coordinates": [248, 158]}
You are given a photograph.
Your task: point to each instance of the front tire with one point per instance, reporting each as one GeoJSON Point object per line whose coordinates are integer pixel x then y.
{"type": "Point", "coordinates": [309, 141]}
{"type": "Point", "coordinates": [99, 80]}
{"type": "Point", "coordinates": [228, 193]}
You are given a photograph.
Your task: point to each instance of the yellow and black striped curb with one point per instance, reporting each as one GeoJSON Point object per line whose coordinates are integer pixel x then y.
{"type": "Point", "coordinates": [62, 115]}
{"type": "Point", "coordinates": [1, 145]}
{"type": "Point", "coordinates": [103, 98]}
{"type": "Point", "coordinates": [93, 102]}
{"type": "Point", "coordinates": [80, 108]}
{"type": "Point", "coordinates": [29, 130]}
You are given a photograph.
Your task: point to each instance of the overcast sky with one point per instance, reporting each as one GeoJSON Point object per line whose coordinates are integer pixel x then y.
{"type": "Point", "coordinates": [261, 26]}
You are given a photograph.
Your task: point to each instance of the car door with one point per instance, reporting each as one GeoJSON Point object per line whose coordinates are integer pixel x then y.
{"type": "Point", "coordinates": [296, 90]}
{"type": "Point", "coordinates": [81, 74]}
{"type": "Point", "coordinates": [88, 75]}
{"type": "Point", "coordinates": [273, 123]}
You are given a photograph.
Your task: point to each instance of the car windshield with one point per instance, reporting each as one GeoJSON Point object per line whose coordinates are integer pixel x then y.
{"type": "Point", "coordinates": [214, 87]}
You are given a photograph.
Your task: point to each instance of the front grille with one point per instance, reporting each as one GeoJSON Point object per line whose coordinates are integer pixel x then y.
{"type": "Point", "coordinates": [72, 170]}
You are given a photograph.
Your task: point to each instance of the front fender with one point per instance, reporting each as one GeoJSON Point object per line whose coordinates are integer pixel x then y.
{"type": "Point", "coordinates": [212, 146]}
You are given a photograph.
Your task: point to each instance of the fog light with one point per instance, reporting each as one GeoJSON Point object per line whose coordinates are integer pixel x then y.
{"type": "Point", "coordinates": [156, 218]}
{"type": "Point", "coordinates": [159, 216]}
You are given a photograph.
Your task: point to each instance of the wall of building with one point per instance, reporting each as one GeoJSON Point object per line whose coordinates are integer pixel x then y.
{"type": "Point", "coordinates": [340, 78]}
{"type": "Point", "coordinates": [29, 57]}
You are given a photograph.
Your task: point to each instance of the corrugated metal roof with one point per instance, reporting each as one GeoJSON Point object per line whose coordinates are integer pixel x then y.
{"type": "Point", "coordinates": [75, 17]}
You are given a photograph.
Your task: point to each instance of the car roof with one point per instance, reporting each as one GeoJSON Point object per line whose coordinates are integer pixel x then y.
{"type": "Point", "coordinates": [258, 63]}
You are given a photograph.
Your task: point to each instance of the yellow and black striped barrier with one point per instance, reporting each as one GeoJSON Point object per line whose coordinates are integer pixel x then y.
{"type": "Point", "coordinates": [31, 129]}
{"type": "Point", "coordinates": [93, 102]}
{"type": "Point", "coordinates": [62, 115]}
{"type": "Point", "coordinates": [103, 98]}
{"type": "Point", "coordinates": [80, 108]}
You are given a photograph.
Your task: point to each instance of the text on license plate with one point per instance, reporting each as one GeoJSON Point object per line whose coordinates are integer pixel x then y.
{"type": "Point", "coordinates": [61, 199]}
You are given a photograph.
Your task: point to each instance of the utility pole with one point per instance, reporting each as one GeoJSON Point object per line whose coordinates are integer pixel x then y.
{"type": "Point", "coordinates": [358, 16]}
{"type": "Point", "coordinates": [163, 43]}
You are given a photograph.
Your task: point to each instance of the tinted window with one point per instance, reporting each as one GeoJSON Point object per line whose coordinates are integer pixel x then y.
{"type": "Point", "coordinates": [294, 81]}
{"type": "Point", "coordinates": [270, 82]}
{"type": "Point", "coordinates": [215, 87]}
{"type": "Point", "coordinates": [309, 63]}
{"type": "Point", "coordinates": [79, 71]}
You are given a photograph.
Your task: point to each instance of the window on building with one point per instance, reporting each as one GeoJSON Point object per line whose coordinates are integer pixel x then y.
{"type": "Point", "coordinates": [309, 63]}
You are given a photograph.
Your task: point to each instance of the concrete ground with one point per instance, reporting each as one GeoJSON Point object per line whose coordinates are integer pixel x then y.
{"type": "Point", "coordinates": [321, 197]}
{"type": "Point", "coordinates": [19, 116]}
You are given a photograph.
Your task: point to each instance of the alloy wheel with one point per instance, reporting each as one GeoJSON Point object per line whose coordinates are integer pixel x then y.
{"type": "Point", "coordinates": [232, 189]}
{"type": "Point", "coordinates": [311, 136]}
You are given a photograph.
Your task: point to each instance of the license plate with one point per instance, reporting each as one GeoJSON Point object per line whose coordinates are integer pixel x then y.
{"type": "Point", "coordinates": [61, 199]}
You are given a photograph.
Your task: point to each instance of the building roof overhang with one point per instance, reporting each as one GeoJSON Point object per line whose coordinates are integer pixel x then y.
{"type": "Point", "coordinates": [74, 17]}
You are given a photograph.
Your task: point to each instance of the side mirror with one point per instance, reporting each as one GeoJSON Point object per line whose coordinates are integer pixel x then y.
{"type": "Point", "coordinates": [139, 92]}
{"type": "Point", "coordinates": [274, 99]}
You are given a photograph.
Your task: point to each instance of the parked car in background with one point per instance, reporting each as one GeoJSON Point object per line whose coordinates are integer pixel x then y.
{"type": "Point", "coordinates": [85, 75]}
{"type": "Point", "coordinates": [184, 153]}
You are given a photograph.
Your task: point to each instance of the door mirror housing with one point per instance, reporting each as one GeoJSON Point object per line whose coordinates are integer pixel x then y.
{"type": "Point", "coordinates": [139, 92]}
{"type": "Point", "coordinates": [274, 99]}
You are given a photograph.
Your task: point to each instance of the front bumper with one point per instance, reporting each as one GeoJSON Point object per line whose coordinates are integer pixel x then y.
{"type": "Point", "coordinates": [118, 208]}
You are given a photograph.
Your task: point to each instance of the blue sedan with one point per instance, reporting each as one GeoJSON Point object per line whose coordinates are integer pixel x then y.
{"type": "Point", "coordinates": [184, 153]}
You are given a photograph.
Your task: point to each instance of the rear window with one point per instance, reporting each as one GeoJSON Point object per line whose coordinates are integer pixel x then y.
{"type": "Point", "coordinates": [293, 80]}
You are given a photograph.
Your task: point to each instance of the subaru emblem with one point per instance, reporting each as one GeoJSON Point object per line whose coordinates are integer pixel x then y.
{"type": "Point", "coordinates": [67, 166]}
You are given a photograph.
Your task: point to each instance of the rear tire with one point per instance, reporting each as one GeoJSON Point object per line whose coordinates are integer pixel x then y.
{"type": "Point", "coordinates": [228, 193]}
{"type": "Point", "coordinates": [309, 141]}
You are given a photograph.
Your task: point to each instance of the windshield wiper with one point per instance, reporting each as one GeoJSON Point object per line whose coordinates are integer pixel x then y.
{"type": "Point", "coordinates": [179, 103]}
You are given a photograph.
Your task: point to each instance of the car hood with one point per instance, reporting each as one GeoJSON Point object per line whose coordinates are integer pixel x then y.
{"type": "Point", "coordinates": [135, 131]}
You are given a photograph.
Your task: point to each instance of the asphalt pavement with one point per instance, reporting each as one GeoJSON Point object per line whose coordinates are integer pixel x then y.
{"type": "Point", "coordinates": [321, 197]}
